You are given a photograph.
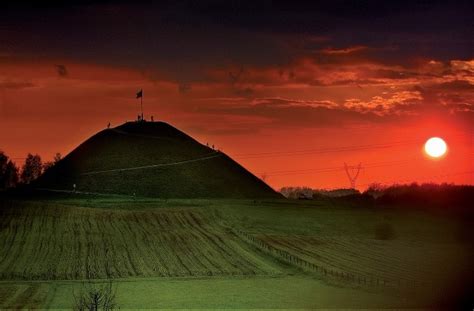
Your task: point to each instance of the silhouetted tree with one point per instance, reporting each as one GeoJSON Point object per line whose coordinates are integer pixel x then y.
{"type": "Point", "coordinates": [376, 190]}
{"type": "Point", "coordinates": [47, 165]}
{"type": "Point", "coordinates": [297, 192]}
{"type": "Point", "coordinates": [8, 172]}
{"type": "Point", "coordinates": [32, 168]}
{"type": "Point", "coordinates": [50, 164]}
{"type": "Point", "coordinates": [12, 176]}
{"type": "Point", "coordinates": [57, 157]}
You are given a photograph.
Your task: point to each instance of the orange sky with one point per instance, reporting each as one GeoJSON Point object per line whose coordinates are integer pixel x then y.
{"type": "Point", "coordinates": [287, 122]}
{"type": "Point", "coordinates": [290, 89]}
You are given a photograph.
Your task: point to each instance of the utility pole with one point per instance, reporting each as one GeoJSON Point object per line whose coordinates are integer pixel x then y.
{"type": "Point", "coordinates": [353, 177]}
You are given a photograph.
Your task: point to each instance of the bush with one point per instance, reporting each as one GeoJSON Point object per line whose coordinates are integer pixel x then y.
{"type": "Point", "coordinates": [94, 297]}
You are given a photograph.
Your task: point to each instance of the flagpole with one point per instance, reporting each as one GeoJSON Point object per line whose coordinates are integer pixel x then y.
{"type": "Point", "coordinates": [141, 103]}
{"type": "Point", "coordinates": [140, 94]}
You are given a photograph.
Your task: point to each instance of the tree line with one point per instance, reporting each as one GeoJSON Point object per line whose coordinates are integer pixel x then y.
{"type": "Point", "coordinates": [11, 175]}
{"type": "Point", "coordinates": [413, 195]}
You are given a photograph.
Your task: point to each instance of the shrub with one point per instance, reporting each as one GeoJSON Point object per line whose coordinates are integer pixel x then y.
{"type": "Point", "coordinates": [95, 297]}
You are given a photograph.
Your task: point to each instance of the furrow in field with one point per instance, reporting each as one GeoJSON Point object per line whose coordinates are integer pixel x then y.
{"type": "Point", "coordinates": [347, 262]}
{"type": "Point", "coordinates": [386, 264]}
{"type": "Point", "coordinates": [381, 266]}
{"type": "Point", "coordinates": [335, 262]}
{"type": "Point", "coordinates": [202, 247]}
{"type": "Point", "coordinates": [363, 262]}
{"type": "Point", "coordinates": [50, 242]}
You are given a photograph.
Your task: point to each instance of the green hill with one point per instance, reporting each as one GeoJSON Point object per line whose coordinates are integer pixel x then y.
{"type": "Point", "coordinates": [152, 159]}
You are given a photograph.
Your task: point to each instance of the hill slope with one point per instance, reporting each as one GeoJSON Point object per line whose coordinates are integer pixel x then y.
{"type": "Point", "coordinates": [152, 159]}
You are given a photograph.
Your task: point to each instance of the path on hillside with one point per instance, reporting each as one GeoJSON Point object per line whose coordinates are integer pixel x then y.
{"type": "Point", "coordinates": [214, 154]}
{"type": "Point", "coordinates": [85, 192]}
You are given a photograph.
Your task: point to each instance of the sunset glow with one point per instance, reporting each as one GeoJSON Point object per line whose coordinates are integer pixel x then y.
{"type": "Point", "coordinates": [280, 93]}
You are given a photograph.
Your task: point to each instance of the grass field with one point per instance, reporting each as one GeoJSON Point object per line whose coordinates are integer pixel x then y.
{"type": "Point", "coordinates": [425, 249]}
{"type": "Point", "coordinates": [258, 292]}
{"type": "Point", "coordinates": [84, 243]}
{"type": "Point", "coordinates": [192, 253]}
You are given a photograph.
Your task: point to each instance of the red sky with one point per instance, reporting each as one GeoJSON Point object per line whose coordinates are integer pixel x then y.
{"type": "Point", "coordinates": [287, 129]}
{"type": "Point", "coordinates": [294, 106]}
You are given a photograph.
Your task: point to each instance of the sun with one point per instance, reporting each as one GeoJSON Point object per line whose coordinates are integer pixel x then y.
{"type": "Point", "coordinates": [435, 147]}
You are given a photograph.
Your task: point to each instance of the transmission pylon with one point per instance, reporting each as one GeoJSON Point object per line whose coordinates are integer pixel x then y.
{"type": "Point", "coordinates": [353, 173]}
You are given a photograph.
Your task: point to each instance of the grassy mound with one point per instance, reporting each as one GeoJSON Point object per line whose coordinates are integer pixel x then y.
{"type": "Point", "coordinates": [152, 159]}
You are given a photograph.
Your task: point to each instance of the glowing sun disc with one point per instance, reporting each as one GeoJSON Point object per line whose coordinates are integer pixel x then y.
{"type": "Point", "coordinates": [435, 147]}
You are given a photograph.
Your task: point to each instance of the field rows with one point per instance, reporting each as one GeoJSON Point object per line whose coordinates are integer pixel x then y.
{"type": "Point", "coordinates": [391, 261]}
{"type": "Point", "coordinates": [39, 242]}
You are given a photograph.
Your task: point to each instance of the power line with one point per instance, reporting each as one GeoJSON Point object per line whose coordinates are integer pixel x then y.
{"type": "Point", "coordinates": [337, 168]}
{"type": "Point", "coordinates": [312, 151]}
{"type": "Point", "coordinates": [321, 150]}
{"type": "Point", "coordinates": [214, 155]}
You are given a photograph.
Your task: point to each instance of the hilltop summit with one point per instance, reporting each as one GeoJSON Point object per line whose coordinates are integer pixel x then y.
{"type": "Point", "coordinates": [152, 159]}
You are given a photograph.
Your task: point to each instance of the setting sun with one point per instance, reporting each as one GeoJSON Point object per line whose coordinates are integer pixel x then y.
{"type": "Point", "coordinates": [435, 147]}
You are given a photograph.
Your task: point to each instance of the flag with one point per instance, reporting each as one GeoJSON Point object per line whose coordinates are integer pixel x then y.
{"type": "Point", "coordinates": [140, 94]}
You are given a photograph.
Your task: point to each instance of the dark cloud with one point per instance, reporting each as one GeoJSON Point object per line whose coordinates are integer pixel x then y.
{"type": "Point", "coordinates": [394, 74]}
{"type": "Point", "coordinates": [15, 84]}
{"type": "Point", "coordinates": [236, 77]}
{"type": "Point", "coordinates": [456, 85]}
{"type": "Point", "coordinates": [285, 113]}
{"type": "Point", "coordinates": [258, 45]}
{"type": "Point", "coordinates": [196, 35]}
{"type": "Point", "coordinates": [239, 83]}
{"type": "Point", "coordinates": [244, 91]}
{"type": "Point", "coordinates": [454, 98]}
{"type": "Point", "coordinates": [184, 87]}
{"type": "Point", "coordinates": [238, 129]}
{"type": "Point", "coordinates": [62, 70]}
{"type": "Point", "coordinates": [344, 51]}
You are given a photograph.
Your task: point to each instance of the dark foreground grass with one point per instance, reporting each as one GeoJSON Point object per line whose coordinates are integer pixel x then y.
{"type": "Point", "coordinates": [259, 292]}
